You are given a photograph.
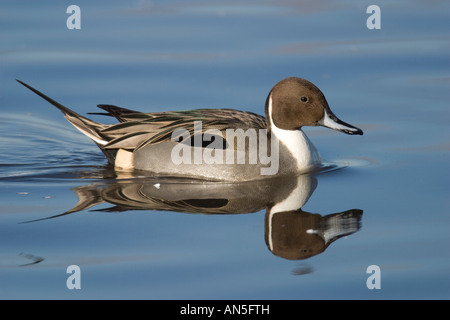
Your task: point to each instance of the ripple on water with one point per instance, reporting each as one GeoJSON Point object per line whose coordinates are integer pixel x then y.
{"type": "Point", "coordinates": [31, 148]}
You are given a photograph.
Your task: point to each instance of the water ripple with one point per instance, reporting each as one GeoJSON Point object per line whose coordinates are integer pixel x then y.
{"type": "Point", "coordinates": [32, 148]}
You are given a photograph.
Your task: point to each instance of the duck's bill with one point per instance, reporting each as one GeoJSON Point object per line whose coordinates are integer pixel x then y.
{"type": "Point", "coordinates": [329, 120]}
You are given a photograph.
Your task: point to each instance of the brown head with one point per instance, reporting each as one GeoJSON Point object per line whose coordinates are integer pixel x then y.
{"type": "Point", "coordinates": [294, 102]}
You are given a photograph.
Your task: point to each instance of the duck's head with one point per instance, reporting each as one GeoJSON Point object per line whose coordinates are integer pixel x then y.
{"type": "Point", "coordinates": [294, 102]}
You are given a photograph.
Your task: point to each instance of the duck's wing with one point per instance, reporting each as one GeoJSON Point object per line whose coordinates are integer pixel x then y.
{"type": "Point", "coordinates": [138, 130]}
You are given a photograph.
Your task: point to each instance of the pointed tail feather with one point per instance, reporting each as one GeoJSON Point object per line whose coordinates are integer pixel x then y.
{"type": "Point", "coordinates": [88, 127]}
{"type": "Point", "coordinates": [114, 111]}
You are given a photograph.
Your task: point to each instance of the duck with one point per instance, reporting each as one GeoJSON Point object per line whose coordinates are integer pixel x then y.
{"type": "Point", "coordinates": [215, 144]}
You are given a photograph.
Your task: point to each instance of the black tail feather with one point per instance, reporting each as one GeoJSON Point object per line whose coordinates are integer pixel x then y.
{"type": "Point", "coordinates": [114, 111]}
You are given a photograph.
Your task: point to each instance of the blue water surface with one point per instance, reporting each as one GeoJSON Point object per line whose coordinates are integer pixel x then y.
{"type": "Point", "coordinates": [153, 56]}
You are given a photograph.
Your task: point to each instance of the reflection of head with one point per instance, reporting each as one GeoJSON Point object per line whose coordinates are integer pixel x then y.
{"type": "Point", "coordinates": [287, 235]}
{"type": "Point", "coordinates": [297, 235]}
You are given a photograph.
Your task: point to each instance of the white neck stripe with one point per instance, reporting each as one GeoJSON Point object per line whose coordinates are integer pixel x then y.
{"type": "Point", "coordinates": [298, 144]}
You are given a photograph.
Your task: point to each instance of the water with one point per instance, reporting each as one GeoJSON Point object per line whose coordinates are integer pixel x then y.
{"type": "Point", "coordinates": [136, 237]}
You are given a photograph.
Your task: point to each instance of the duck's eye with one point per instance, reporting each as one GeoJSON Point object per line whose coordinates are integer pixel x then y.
{"type": "Point", "coordinates": [304, 99]}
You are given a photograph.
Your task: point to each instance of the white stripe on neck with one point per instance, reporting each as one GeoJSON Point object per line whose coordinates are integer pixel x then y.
{"type": "Point", "coordinates": [294, 201]}
{"type": "Point", "coordinates": [298, 144]}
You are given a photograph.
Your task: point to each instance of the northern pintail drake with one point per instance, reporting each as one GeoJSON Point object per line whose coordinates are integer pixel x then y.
{"type": "Point", "coordinates": [216, 144]}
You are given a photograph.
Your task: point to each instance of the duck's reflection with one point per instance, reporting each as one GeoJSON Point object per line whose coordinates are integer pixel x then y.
{"type": "Point", "coordinates": [290, 232]}
{"type": "Point", "coordinates": [297, 235]}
